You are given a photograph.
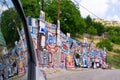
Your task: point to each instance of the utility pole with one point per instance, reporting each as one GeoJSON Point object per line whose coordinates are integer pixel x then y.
{"type": "Point", "coordinates": [58, 35]}
{"type": "Point", "coordinates": [58, 25]}
{"type": "Point", "coordinates": [39, 34]}
{"type": "Point", "coordinates": [58, 17]}
{"type": "Point", "coordinates": [42, 5]}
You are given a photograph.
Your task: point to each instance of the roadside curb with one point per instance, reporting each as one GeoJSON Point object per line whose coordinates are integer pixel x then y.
{"type": "Point", "coordinates": [77, 69]}
{"type": "Point", "coordinates": [51, 71]}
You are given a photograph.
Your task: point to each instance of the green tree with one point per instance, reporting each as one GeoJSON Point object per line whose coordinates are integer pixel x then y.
{"type": "Point", "coordinates": [105, 43]}
{"type": "Point", "coordinates": [91, 30]}
{"type": "Point", "coordinates": [99, 27]}
{"type": "Point", "coordinates": [88, 21]}
{"type": "Point", "coordinates": [115, 39]}
{"type": "Point", "coordinates": [70, 18]}
{"type": "Point", "coordinates": [31, 7]}
{"type": "Point", "coordinates": [113, 34]}
{"type": "Point", "coordinates": [8, 26]}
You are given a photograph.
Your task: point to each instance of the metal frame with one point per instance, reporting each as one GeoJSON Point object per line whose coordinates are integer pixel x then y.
{"type": "Point", "coordinates": [31, 54]}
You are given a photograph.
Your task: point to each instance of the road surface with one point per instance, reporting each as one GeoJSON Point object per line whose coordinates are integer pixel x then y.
{"type": "Point", "coordinates": [19, 77]}
{"type": "Point", "coordinates": [90, 74]}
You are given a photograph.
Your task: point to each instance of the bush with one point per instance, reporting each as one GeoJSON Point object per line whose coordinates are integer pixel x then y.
{"type": "Point", "coordinates": [115, 39]}
{"type": "Point", "coordinates": [105, 43]}
{"type": "Point", "coordinates": [91, 30]}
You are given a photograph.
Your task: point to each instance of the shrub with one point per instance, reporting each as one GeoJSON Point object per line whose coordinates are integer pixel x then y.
{"type": "Point", "coordinates": [115, 39]}
{"type": "Point", "coordinates": [105, 43]}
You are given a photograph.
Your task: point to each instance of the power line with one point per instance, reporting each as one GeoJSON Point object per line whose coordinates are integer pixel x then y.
{"type": "Point", "coordinates": [87, 10]}
{"type": "Point", "coordinates": [1, 7]}
{"type": "Point", "coordinates": [6, 4]}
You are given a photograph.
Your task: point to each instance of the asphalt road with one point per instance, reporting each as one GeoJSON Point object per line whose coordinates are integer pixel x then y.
{"type": "Point", "coordinates": [90, 74]}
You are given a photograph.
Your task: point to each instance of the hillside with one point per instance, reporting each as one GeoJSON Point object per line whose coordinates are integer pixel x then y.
{"type": "Point", "coordinates": [113, 57]}
{"type": "Point", "coordinates": [107, 23]}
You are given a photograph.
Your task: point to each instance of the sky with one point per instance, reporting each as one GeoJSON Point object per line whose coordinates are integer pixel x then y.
{"type": "Point", "coordinates": [104, 9]}
{"type": "Point", "coordinates": [4, 7]}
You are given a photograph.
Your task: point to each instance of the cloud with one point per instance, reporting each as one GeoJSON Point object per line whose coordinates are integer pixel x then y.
{"type": "Point", "coordinates": [98, 7]}
{"type": "Point", "coordinates": [114, 17]}
{"type": "Point", "coordinates": [105, 9]}
{"type": "Point", "coordinates": [114, 1]}
{"type": "Point", "coordinates": [113, 10]}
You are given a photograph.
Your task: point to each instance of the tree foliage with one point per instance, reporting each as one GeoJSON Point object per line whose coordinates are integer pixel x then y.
{"type": "Point", "coordinates": [105, 43]}
{"type": "Point", "coordinates": [31, 7]}
{"type": "Point", "coordinates": [88, 21]}
{"type": "Point", "coordinates": [99, 27]}
{"type": "Point", "coordinates": [8, 27]}
{"type": "Point", "coordinates": [113, 30]}
{"type": "Point", "coordinates": [114, 34]}
{"type": "Point", "coordinates": [91, 30]}
{"type": "Point", "coordinates": [115, 39]}
{"type": "Point", "coordinates": [70, 18]}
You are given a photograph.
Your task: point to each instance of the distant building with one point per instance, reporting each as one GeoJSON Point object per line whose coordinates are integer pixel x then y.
{"type": "Point", "coordinates": [106, 22]}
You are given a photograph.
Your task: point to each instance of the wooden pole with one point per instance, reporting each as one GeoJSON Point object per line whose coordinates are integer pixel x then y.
{"type": "Point", "coordinates": [42, 5]}
{"type": "Point", "coordinates": [58, 17]}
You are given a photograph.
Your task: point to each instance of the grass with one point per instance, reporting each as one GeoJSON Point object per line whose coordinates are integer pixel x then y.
{"type": "Point", "coordinates": [116, 46]}
{"type": "Point", "coordinates": [115, 58]}
{"type": "Point", "coordinates": [114, 61]}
